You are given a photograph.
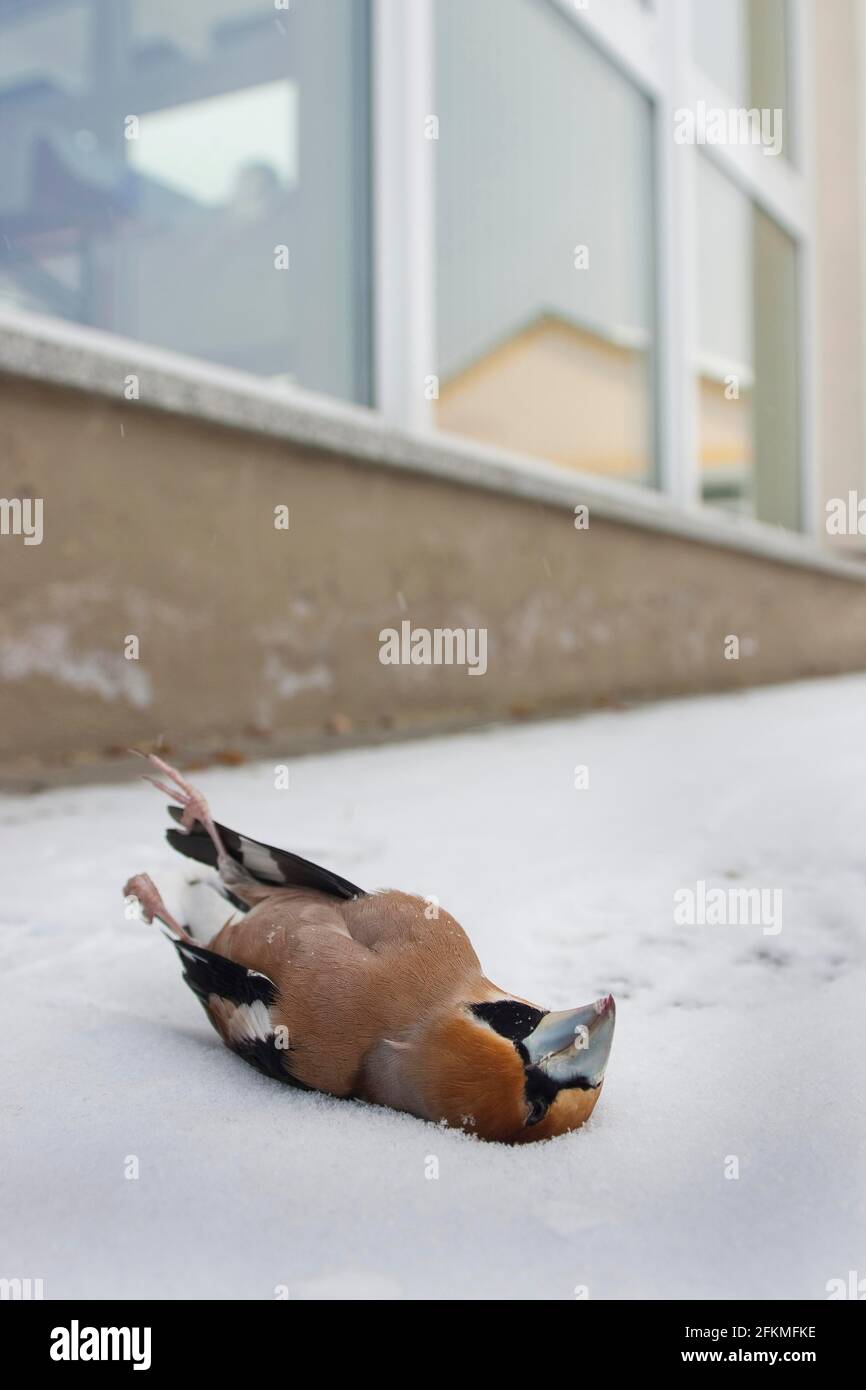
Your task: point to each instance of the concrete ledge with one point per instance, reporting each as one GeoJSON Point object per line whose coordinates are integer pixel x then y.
{"type": "Point", "coordinates": [44, 349]}
{"type": "Point", "coordinates": [251, 640]}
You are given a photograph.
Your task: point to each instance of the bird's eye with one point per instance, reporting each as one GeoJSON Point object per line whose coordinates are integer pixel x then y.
{"type": "Point", "coordinates": [537, 1110]}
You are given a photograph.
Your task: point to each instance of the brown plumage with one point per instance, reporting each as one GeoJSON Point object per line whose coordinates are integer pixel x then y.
{"type": "Point", "coordinates": [377, 996]}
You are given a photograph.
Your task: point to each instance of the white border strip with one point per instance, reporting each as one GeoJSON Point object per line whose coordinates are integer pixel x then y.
{"type": "Point", "coordinates": [85, 359]}
{"type": "Point", "coordinates": [403, 210]}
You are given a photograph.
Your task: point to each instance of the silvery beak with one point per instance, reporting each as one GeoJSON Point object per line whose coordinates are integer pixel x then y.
{"type": "Point", "coordinates": [573, 1046]}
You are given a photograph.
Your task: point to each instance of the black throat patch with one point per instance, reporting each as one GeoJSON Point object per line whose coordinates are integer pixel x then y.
{"type": "Point", "coordinates": [509, 1017]}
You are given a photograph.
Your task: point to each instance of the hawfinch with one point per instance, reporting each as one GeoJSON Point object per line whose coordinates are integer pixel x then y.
{"type": "Point", "coordinates": [371, 995]}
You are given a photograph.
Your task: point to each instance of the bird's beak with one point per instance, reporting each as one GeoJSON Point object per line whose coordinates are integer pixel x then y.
{"type": "Point", "coordinates": [573, 1046]}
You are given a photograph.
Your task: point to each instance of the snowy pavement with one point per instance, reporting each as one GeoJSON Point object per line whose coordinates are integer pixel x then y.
{"type": "Point", "coordinates": [738, 1047]}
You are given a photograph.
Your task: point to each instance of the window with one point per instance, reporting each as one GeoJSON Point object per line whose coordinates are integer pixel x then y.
{"type": "Point", "coordinates": [193, 174]}
{"type": "Point", "coordinates": [544, 240]}
{"type": "Point", "coordinates": [491, 225]}
{"type": "Point", "coordinates": [743, 47]}
{"type": "Point", "coordinates": [747, 359]}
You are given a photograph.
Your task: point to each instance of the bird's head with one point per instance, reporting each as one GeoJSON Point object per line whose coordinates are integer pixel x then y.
{"type": "Point", "coordinates": [507, 1071]}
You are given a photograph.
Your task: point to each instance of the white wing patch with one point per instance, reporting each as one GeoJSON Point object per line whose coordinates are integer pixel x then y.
{"type": "Point", "coordinates": [259, 861]}
{"type": "Point", "coordinates": [249, 1023]}
{"type": "Point", "coordinates": [241, 1023]}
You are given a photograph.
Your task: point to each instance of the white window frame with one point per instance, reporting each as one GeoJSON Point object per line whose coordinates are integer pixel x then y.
{"type": "Point", "coordinates": [404, 179]}
{"type": "Point", "coordinates": [651, 47]}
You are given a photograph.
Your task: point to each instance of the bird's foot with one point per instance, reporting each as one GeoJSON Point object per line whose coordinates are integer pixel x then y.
{"type": "Point", "coordinates": [192, 803]}
{"type": "Point", "coordinates": [143, 888]}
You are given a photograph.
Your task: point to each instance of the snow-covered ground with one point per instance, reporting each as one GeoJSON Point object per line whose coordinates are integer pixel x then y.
{"type": "Point", "coordinates": [734, 1043]}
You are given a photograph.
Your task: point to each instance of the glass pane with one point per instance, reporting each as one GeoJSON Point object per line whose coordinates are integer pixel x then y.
{"type": "Point", "coordinates": [158, 156]}
{"type": "Point", "coordinates": [720, 45]}
{"type": "Point", "coordinates": [747, 362]}
{"type": "Point", "coordinates": [544, 240]}
{"type": "Point", "coordinates": [743, 47]}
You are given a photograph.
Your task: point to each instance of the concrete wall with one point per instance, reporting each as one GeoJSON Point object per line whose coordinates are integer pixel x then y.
{"type": "Point", "coordinates": [258, 640]}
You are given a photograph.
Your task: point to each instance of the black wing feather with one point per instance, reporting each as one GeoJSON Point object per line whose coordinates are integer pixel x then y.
{"type": "Point", "coordinates": [284, 870]}
{"type": "Point", "coordinates": [208, 974]}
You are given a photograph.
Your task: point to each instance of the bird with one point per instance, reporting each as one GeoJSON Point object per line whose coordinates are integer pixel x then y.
{"type": "Point", "coordinates": [372, 996]}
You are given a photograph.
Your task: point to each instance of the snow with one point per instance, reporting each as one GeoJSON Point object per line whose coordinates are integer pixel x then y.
{"type": "Point", "coordinates": [731, 1043]}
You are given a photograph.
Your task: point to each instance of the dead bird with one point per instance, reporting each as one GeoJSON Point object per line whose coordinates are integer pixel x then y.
{"type": "Point", "coordinates": [371, 995]}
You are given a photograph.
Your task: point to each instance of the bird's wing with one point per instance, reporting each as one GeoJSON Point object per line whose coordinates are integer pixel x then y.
{"type": "Point", "coordinates": [275, 867]}
{"type": "Point", "coordinates": [240, 1004]}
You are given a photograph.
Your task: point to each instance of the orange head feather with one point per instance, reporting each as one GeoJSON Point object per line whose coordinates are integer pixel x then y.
{"type": "Point", "coordinates": [506, 1071]}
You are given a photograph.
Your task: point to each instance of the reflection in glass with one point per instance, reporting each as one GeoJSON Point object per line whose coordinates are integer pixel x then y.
{"type": "Point", "coordinates": [155, 157]}
{"type": "Point", "coordinates": [544, 244]}
{"type": "Point", "coordinates": [748, 434]}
